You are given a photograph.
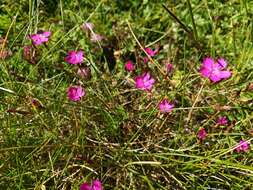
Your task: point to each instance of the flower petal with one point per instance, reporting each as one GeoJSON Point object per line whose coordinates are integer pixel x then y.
{"type": "Point", "coordinates": [85, 186]}
{"type": "Point", "coordinates": [225, 74]}
{"type": "Point", "coordinates": [208, 62]}
{"type": "Point", "coordinates": [215, 77]}
{"type": "Point", "coordinates": [97, 185]}
{"type": "Point", "coordinates": [222, 63]}
{"type": "Point", "coordinates": [206, 72]}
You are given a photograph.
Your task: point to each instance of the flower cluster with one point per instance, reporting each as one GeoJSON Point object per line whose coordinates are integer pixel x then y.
{"type": "Point", "coordinates": [214, 70]}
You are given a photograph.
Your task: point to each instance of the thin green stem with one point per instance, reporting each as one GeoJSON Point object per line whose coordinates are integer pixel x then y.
{"type": "Point", "coordinates": [193, 21]}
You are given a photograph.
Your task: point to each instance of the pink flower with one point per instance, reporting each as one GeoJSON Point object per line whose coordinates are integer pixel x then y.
{"type": "Point", "coordinates": [129, 66]}
{"type": "Point", "coordinates": [202, 133]}
{"type": "Point", "coordinates": [165, 106]}
{"type": "Point", "coordinates": [96, 185]}
{"type": "Point", "coordinates": [75, 93]}
{"type": "Point", "coordinates": [40, 37]}
{"type": "Point", "coordinates": [169, 67]}
{"type": "Point", "coordinates": [74, 57]}
{"type": "Point", "coordinates": [214, 71]}
{"type": "Point", "coordinates": [144, 82]}
{"type": "Point", "coordinates": [88, 26]}
{"type": "Point", "coordinates": [222, 121]}
{"type": "Point", "coordinates": [151, 52]}
{"type": "Point", "coordinates": [243, 146]}
{"type": "Point", "coordinates": [96, 37]}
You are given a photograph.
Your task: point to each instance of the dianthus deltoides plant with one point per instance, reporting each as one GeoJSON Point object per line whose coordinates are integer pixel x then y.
{"type": "Point", "coordinates": [110, 103]}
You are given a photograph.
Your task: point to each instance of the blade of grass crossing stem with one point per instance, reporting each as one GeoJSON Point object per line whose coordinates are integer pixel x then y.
{"type": "Point", "coordinates": [193, 22]}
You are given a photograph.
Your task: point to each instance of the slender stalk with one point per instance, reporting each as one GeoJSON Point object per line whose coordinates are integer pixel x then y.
{"type": "Point", "coordinates": [193, 22]}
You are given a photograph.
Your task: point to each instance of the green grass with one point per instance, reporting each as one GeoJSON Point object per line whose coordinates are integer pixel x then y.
{"type": "Point", "coordinates": [116, 133]}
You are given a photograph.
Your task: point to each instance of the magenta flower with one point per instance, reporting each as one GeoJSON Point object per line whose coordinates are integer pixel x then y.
{"type": "Point", "coordinates": [96, 185]}
{"type": "Point", "coordinates": [165, 106]}
{"type": "Point", "coordinates": [222, 121]}
{"type": "Point", "coordinates": [88, 26]}
{"type": "Point", "coordinates": [151, 52]}
{"type": "Point", "coordinates": [40, 37]}
{"type": "Point", "coordinates": [202, 134]}
{"type": "Point", "coordinates": [74, 57]}
{"type": "Point", "coordinates": [75, 93]}
{"type": "Point", "coordinates": [129, 66]}
{"type": "Point", "coordinates": [214, 71]}
{"type": "Point", "coordinates": [144, 82]}
{"type": "Point", "coordinates": [96, 37]}
{"type": "Point", "coordinates": [243, 146]}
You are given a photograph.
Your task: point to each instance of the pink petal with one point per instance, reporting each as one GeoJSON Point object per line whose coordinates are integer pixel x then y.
{"type": "Point", "coordinates": [215, 77]}
{"type": "Point", "coordinates": [97, 185]}
{"type": "Point", "coordinates": [79, 56]}
{"type": "Point", "coordinates": [151, 81]}
{"type": "Point", "coordinates": [206, 72]}
{"type": "Point", "coordinates": [208, 62]}
{"type": "Point", "coordinates": [225, 74]}
{"type": "Point", "coordinates": [47, 34]}
{"type": "Point", "coordinates": [222, 63]}
{"type": "Point", "coordinates": [85, 186]}
{"type": "Point", "coordinates": [165, 106]}
{"type": "Point", "coordinates": [146, 76]}
{"type": "Point", "coordinates": [88, 25]}
{"type": "Point", "coordinates": [139, 82]}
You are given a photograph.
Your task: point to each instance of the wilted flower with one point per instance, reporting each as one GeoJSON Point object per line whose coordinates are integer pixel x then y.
{"type": "Point", "coordinates": [75, 93]}
{"type": "Point", "coordinates": [36, 103]}
{"type": "Point", "coordinates": [151, 52]}
{"type": "Point", "coordinates": [84, 72]}
{"type": "Point", "coordinates": [214, 71]}
{"type": "Point", "coordinates": [144, 82]}
{"type": "Point", "coordinates": [74, 57]}
{"type": "Point", "coordinates": [29, 54]}
{"type": "Point", "coordinates": [40, 37]}
{"type": "Point", "coordinates": [202, 133]}
{"type": "Point", "coordinates": [169, 67]}
{"type": "Point", "coordinates": [96, 37]}
{"type": "Point", "coordinates": [96, 185]}
{"type": "Point", "coordinates": [222, 121]}
{"type": "Point", "coordinates": [243, 146]}
{"type": "Point", "coordinates": [165, 106]}
{"type": "Point", "coordinates": [88, 26]}
{"type": "Point", "coordinates": [5, 54]}
{"type": "Point", "coordinates": [129, 66]}
{"type": "Point", "coordinates": [145, 59]}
